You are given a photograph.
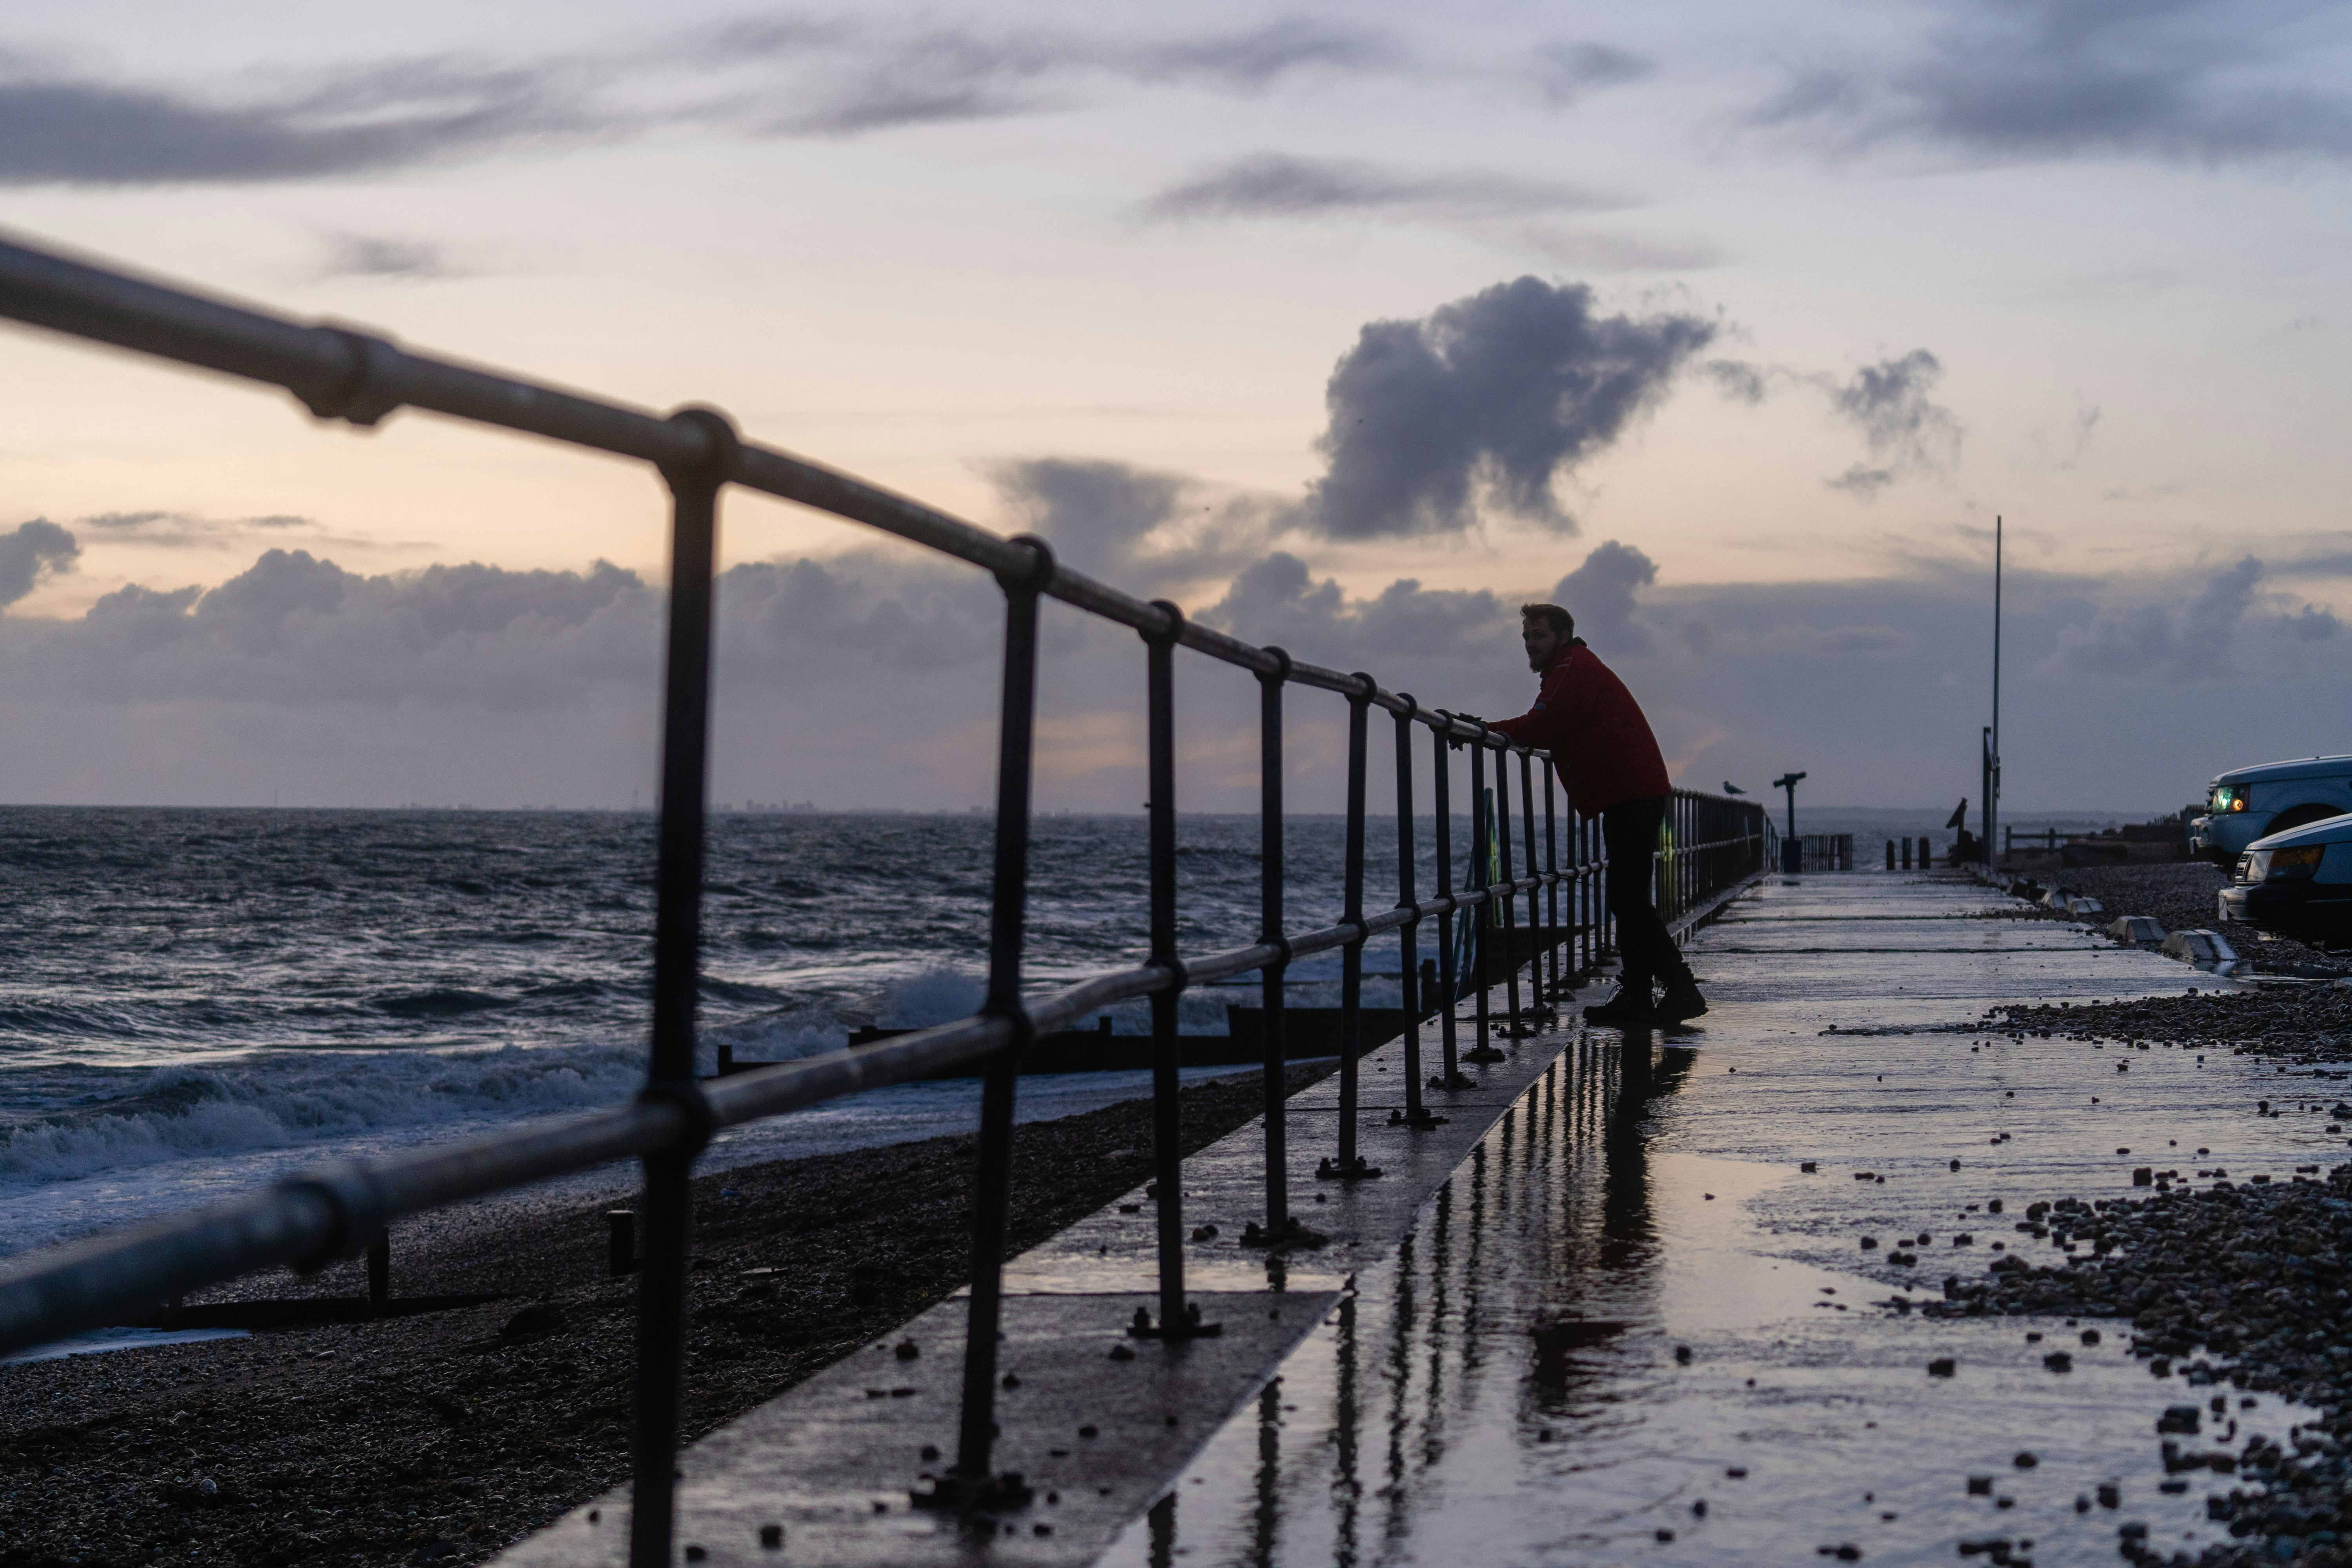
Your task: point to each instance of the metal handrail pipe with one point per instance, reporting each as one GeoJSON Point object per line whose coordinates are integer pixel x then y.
{"type": "Point", "coordinates": [1239, 961]}
{"type": "Point", "coordinates": [1061, 1008]}
{"type": "Point", "coordinates": [305, 1221]}
{"type": "Point", "coordinates": [1326, 939]}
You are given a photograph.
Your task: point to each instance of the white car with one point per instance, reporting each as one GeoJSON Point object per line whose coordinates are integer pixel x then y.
{"type": "Point", "coordinates": [2297, 883]}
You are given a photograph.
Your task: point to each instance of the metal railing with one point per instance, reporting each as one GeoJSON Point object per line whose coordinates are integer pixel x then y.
{"type": "Point", "coordinates": [1710, 843]}
{"type": "Point", "coordinates": [342, 1210]}
{"type": "Point", "coordinates": [1825, 852]}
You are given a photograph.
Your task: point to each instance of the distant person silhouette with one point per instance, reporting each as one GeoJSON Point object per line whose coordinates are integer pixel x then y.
{"type": "Point", "coordinates": [1609, 763]}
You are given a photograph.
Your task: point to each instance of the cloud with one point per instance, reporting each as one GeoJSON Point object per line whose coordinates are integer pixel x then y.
{"type": "Point", "coordinates": [1568, 73]}
{"type": "Point", "coordinates": [1862, 481]}
{"type": "Point", "coordinates": [1737, 379]}
{"type": "Point", "coordinates": [2165, 640]}
{"type": "Point", "coordinates": [868, 679]}
{"type": "Point", "coordinates": [1498, 394]}
{"type": "Point", "coordinates": [184, 530]}
{"type": "Point", "coordinates": [73, 131]}
{"type": "Point", "coordinates": [1595, 250]}
{"type": "Point", "coordinates": [1277, 185]}
{"type": "Point", "coordinates": [779, 77]}
{"type": "Point", "coordinates": [1838, 642]}
{"type": "Point", "coordinates": [1256, 57]}
{"type": "Point", "coordinates": [376, 256]}
{"type": "Point", "coordinates": [1600, 594]}
{"type": "Point", "coordinates": [2069, 450]}
{"type": "Point", "coordinates": [1906, 431]}
{"type": "Point", "coordinates": [2184, 80]}
{"type": "Point", "coordinates": [36, 549]}
{"type": "Point", "coordinates": [2310, 623]}
{"type": "Point", "coordinates": [1149, 532]}
{"type": "Point", "coordinates": [882, 76]}
{"type": "Point", "coordinates": [1276, 600]}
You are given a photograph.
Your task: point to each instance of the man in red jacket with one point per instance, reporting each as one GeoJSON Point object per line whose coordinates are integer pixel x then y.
{"type": "Point", "coordinates": [1609, 763]}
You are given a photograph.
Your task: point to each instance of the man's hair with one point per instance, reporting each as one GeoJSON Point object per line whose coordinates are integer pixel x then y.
{"type": "Point", "coordinates": [1562, 623]}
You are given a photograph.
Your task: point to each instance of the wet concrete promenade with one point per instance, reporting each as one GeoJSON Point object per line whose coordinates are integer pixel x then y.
{"type": "Point", "coordinates": [1510, 1387]}
{"type": "Point", "coordinates": [1602, 1316]}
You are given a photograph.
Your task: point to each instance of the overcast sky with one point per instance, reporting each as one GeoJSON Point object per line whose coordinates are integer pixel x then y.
{"type": "Point", "coordinates": [1733, 327]}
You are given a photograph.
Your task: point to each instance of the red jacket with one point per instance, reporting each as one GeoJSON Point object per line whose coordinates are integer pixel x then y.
{"type": "Point", "coordinates": [1600, 744]}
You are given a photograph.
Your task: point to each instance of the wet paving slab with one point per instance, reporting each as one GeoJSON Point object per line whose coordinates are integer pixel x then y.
{"type": "Point", "coordinates": [1632, 1327]}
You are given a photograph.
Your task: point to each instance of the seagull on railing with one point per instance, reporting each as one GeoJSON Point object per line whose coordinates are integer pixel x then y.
{"type": "Point", "coordinates": [1730, 788]}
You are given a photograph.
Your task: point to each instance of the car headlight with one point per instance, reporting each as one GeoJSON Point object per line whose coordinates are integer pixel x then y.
{"type": "Point", "coordinates": [2229, 798]}
{"type": "Point", "coordinates": [2253, 864]}
{"type": "Point", "coordinates": [2295, 864]}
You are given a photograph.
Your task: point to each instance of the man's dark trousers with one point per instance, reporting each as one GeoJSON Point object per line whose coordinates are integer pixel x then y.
{"type": "Point", "coordinates": [1628, 834]}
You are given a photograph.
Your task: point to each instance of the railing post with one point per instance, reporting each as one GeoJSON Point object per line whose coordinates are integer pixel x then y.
{"type": "Point", "coordinates": [1349, 1166]}
{"type": "Point", "coordinates": [975, 1480]}
{"type": "Point", "coordinates": [1167, 1110]}
{"type": "Point", "coordinates": [1449, 982]}
{"type": "Point", "coordinates": [1270, 916]}
{"type": "Point", "coordinates": [1602, 871]}
{"type": "Point", "coordinates": [1551, 872]}
{"type": "Point", "coordinates": [1504, 877]}
{"type": "Point", "coordinates": [1482, 915]}
{"type": "Point", "coordinates": [677, 940]}
{"type": "Point", "coordinates": [1537, 1008]}
{"type": "Point", "coordinates": [1415, 1114]}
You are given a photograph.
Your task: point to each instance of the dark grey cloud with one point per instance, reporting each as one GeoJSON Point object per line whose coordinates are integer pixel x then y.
{"type": "Point", "coordinates": [296, 629]}
{"type": "Point", "coordinates": [2197, 80]}
{"type": "Point", "coordinates": [1838, 642]}
{"type": "Point", "coordinates": [869, 680]}
{"type": "Point", "coordinates": [1498, 394]}
{"type": "Point", "coordinates": [1279, 185]}
{"type": "Point", "coordinates": [1569, 73]}
{"type": "Point", "coordinates": [58, 129]}
{"type": "Point", "coordinates": [781, 75]}
{"type": "Point", "coordinates": [885, 74]}
{"type": "Point", "coordinates": [2312, 623]}
{"type": "Point", "coordinates": [1600, 594]}
{"type": "Point", "coordinates": [1257, 57]}
{"type": "Point", "coordinates": [1278, 600]}
{"type": "Point", "coordinates": [34, 549]}
{"type": "Point", "coordinates": [1906, 431]}
{"type": "Point", "coordinates": [1151, 532]}
{"type": "Point", "coordinates": [2188, 638]}
{"type": "Point", "coordinates": [1096, 514]}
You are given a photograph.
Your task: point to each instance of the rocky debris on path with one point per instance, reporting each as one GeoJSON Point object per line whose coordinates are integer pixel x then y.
{"type": "Point", "coordinates": [2180, 897]}
{"type": "Point", "coordinates": [2230, 1287]}
{"type": "Point", "coordinates": [2310, 1023]}
{"type": "Point", "coordinates": [444, 1436]}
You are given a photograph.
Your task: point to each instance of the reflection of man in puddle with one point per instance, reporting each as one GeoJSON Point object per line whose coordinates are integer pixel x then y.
{"type": "Point", "coordinates": [1609, 763]}
{"type": "Point", "coordinates": [1591, 1308]}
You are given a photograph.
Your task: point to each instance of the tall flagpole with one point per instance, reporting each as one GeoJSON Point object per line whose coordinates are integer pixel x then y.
{"type": "Point", "coordinates": [1994, 799]}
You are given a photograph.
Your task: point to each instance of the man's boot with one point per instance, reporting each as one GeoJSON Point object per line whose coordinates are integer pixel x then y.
{"type": "Point", "coordinates": [1629, 1009]}
{"type": "Point", "coordinates": [1682, 1002]}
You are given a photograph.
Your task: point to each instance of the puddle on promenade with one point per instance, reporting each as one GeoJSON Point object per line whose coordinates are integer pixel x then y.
{"type": "Point", "coordinates": [1508, 1388]}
